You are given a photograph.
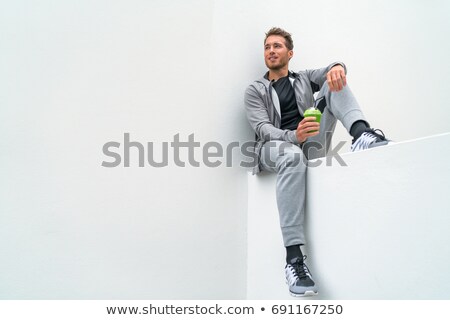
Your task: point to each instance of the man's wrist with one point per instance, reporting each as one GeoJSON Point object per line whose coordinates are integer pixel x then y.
{"type": "Point", "coordinates": [292, 136]}
{"type": "Point", "coordinates": [338, 64]}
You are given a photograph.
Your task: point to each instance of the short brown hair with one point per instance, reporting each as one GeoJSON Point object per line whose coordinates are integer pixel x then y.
{"type": "Point", "coordinates": [280, 32]}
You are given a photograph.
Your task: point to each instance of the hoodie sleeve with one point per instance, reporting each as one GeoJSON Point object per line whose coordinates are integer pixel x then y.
{"type": "Point", "coordinates": [317, 77]}
{"type": "Point", "coordinates": [259, 119]}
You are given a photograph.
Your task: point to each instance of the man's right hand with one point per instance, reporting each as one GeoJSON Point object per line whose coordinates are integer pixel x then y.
{"type": "Point", "coordinates": [306, 125]}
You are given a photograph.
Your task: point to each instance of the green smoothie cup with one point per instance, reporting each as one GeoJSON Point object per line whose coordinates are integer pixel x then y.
{"type": "Point", "coordinates": [313, 112]}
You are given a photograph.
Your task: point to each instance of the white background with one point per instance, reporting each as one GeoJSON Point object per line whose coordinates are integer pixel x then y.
{"type": "Point", "coordinates": [77, 74]}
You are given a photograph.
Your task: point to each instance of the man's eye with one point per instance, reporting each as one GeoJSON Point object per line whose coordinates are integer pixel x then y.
{"type": "Point", "coordinates": [276, 45]}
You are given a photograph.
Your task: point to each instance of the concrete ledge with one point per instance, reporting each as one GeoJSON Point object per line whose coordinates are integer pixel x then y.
{"type": "Point", "coordinates": [376, 228]}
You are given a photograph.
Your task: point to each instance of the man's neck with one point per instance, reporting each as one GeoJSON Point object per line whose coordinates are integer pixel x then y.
{"type": "Point", "coordinates": [277, 74]}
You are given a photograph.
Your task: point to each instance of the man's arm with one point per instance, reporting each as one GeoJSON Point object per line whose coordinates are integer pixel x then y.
{"type": "Point", "coordinates": [259, 119]}
{"type": "Point", "coordinates": [334, 74]}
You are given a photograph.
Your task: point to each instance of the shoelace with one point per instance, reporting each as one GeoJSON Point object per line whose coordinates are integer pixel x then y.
{"type": "Point", "coordinates": [379, 133]}
{"type": "Point", "coordinates": [364, 141]}
{"type": "Point", "coordinates": [368, 137]}
{"type": "Point", "coordinates": [300, 270]}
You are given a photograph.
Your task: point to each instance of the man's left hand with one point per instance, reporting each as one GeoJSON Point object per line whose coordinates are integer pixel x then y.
{"type": "Point", "coordinates": [336, 78]}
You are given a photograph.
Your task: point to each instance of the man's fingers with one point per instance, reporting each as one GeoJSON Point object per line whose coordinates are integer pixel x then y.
{"type": "Point", "coordinates": [340, 81]}
{"type": "Point", "coordinates": [343, 77]}
{"type": "Point", "coordinates": [309, 127]}
{"type": "Point", "coordinates": [337, 81]}
{"type": "Point", "coordinates": [305, 120]}
{"type": "Point", "coordinates": [308, 119]}
{"type": "Point", "coordinates": [333, 80]}
{"type": "Point", "coordinates": [336, 78]}
{"type": "Point", "coordinates": [309, 124]}
{"type": "Point", "coordinates": [311, 134]}
{"type": "Point", "coordinates": [330, 83]}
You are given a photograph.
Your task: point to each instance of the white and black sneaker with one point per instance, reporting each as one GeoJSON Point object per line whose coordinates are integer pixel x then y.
{"type": "Point", "coordinates": [299, 278]}
{"type": "Point", "coordinates": [369, 139]}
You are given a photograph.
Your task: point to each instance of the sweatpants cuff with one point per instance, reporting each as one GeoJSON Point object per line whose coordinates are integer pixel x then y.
{"type": "Point", "coordinates": [350, 117]}
{"type": "Point", "coordinates": [293, 235]}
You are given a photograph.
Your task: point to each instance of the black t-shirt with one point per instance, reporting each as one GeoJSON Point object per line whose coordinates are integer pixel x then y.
{"type": "Point", "coordinates": [290, 116]}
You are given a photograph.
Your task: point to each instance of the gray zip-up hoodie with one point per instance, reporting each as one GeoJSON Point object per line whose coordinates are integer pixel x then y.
{"type": "Point", "coordinates": [263, 107]}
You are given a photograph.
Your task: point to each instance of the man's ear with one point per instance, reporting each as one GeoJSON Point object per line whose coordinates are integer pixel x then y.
{"type": "Point", "coordinates": [290, 54]}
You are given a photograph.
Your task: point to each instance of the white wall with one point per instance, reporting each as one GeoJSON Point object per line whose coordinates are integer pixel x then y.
{"type": "Point", "coordinates": [75, 75]}
{"type": "Point", "coordinates": [375, 228]}
{"type": "Point", "coordinates": [379, 226]}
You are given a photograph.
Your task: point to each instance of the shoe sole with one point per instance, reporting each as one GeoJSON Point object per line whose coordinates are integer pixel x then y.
{"type": "Point", "coordinates": [373, 145]}
{"type": "Point", "coordinates": [378, 144]}
{"type": "Point", "coordinates": [306, 294]}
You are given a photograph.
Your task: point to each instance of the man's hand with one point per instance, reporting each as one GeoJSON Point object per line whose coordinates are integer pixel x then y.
{"type": "Point", "coordinates": [305, 127]}
{"type": "Point", "coordinates": [336, 78]}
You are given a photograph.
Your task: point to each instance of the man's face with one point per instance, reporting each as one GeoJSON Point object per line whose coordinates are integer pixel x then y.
{"type": "Point", "coordinates": [276, 54]}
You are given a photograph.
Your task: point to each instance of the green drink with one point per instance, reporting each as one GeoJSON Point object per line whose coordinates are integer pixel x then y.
{"type": "Point", "coordinates": [313, 112]}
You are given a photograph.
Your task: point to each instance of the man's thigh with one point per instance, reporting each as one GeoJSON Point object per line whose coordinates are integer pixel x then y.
{"type": "Point", "coordinates": [277, 154]}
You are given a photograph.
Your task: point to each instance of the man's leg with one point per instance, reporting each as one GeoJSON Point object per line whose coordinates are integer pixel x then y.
{"type": "Point", "coordinates": [288, 161]}
{"type": "Point", "coordinates": [342, 106]}
{"type": "Point", "coordinates": [334, 106]}
{"type": "Point", "coordinates": [319, 145]}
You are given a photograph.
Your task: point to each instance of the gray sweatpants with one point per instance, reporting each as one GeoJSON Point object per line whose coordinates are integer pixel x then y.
{"type": "Point", "coordinates": [289, 161]}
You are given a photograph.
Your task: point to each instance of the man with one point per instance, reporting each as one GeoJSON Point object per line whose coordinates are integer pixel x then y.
{"type": "Point", "coordinates": [285, 140]}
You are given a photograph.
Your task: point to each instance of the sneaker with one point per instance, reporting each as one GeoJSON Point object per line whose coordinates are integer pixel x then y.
{"type": "Point", "coordinates": [369, 139]}
{"type": "Point", "coordinates": [299, 278]}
